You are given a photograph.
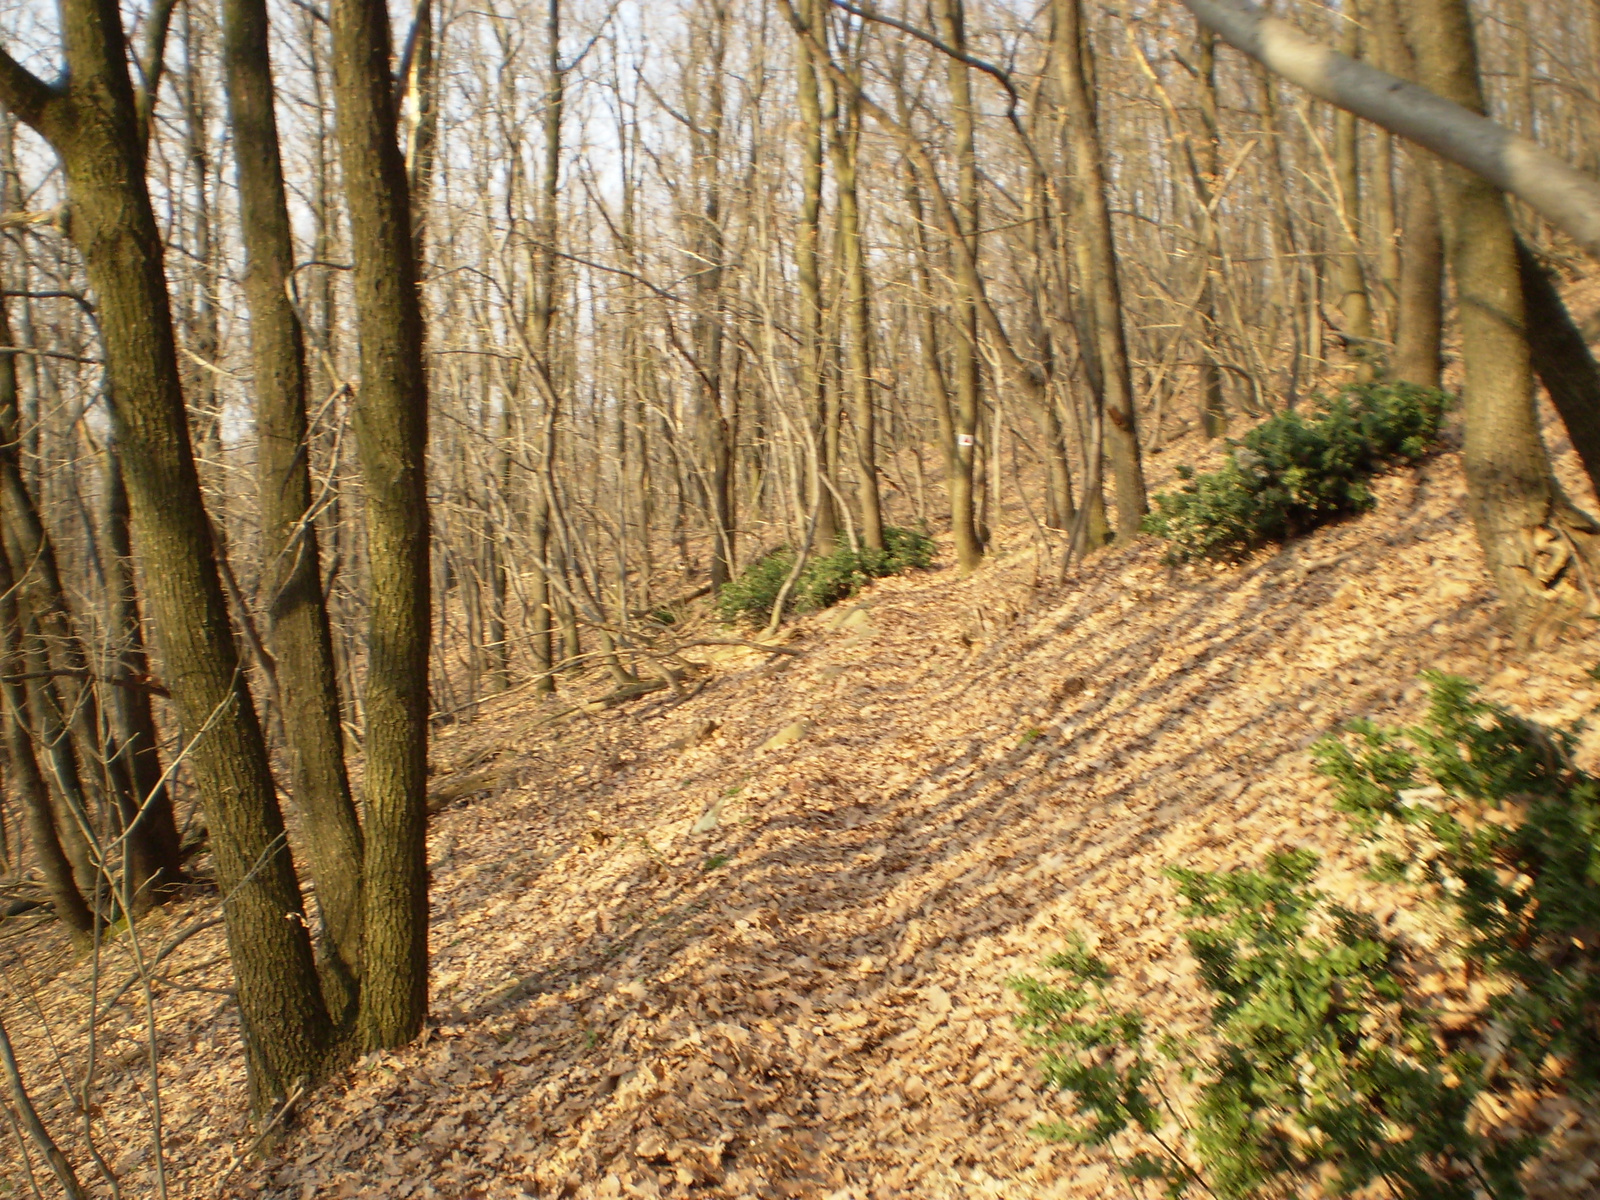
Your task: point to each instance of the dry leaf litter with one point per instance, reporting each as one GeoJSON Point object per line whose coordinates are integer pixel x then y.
{"type": "Point", "coordinates": [754, 943]}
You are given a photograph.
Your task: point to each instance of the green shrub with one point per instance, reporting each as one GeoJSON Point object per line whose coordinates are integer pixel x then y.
{"type": "Point", "coordinates": [824, 580]}
{"type": "Point", "coordinates": [1324, 1063]}
{"type": "Point", "coordinates": [1296, 471]}
{"type": "Point", "coordinates": [751, 594]}
{"type": "Point", "coordinates": [1490, 812]}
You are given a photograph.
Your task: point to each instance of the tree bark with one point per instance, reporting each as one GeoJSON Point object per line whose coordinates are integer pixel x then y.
{"type": "Point", "coordinates": [844, 147]}
{"type": "Point", "coordinates": [1207, 168]}
{"type": "Point", "coordinates": [132, 715]}
{"type": "Point", "coordinates": [70, 907]}
{"type": "Point", "coordinates": [1419, 313]}
{"type": "Point", "coordinates": [964, 354]}
{"type": "Point", "coordinates": [301, 640]}
{"type": "Point", "coordinates": [1355, 305]}
{"type": "Point", "coordinates": [1562, 359]}
{"type": "Point", "coordinates": [91, 121]}
{"type": "Point", "coordinates": [391, 424]}
{"type": "Point", "coordinates": [1419, 303]}
{"type": "Point", "coordinates": [808, 279]}
{"type": "Point", "coordinates": [1539, 548]}
{"type": "Point", "coordinates": [1073, 62]}
{"type": "Point", "coordinates": [715, 428]}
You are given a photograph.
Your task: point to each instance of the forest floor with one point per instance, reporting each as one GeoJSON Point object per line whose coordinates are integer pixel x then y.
{"type": "Point", "coordinates": [756, 942]}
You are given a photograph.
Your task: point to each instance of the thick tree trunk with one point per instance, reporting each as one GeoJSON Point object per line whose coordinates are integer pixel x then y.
{"type": "Point", "coordinates": [1419, 314]}
{"type": "Point", "coordinates": [301, 641]}
{"type": "Point", "coordinates": [1539, 548]}
{"type": "Point", "coordinates": [391, 423]}
{"type": "Point", "coordinates": [1419, 302]}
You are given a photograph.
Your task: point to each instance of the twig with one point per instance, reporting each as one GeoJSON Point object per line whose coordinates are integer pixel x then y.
{"type": "Point", "coordinates": [36, 1130]}
{"type": "Point", "coordinates": [266, 1132]}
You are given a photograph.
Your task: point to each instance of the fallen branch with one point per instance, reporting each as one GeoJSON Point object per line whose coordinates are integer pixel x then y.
{"type": "Point", "coordinates": [766, 646]}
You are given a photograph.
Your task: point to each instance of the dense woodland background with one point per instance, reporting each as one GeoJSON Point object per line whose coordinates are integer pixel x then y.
{"type": "Point", "coordinates": [560, 316]}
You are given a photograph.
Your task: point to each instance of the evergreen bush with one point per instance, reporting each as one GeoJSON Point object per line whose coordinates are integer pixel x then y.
{"type": "Point", "coordinates": [1298, 470]}
{"type": "Point", "coordinates": [824, 580]}
{"type": "Point", "coordinates": [1324, 1063]}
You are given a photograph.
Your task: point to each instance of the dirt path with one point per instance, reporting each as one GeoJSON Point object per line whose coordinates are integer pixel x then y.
{"type": "Point", "coordinates": [768, 958]}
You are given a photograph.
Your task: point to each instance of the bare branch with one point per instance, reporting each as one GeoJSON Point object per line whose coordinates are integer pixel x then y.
{"type": "Point", "coordinates": [1564, 196]}
{"type": "Point", "coordinates": [27, 96]}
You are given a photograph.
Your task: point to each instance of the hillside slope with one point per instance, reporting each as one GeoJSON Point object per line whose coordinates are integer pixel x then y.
{"type": "Point", "coordinates": [754, 943]}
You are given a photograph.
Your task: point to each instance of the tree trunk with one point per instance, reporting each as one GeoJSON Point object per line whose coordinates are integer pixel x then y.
{"type": "Point", "coordinates": [964, 354]}
{"type": "Point", "coordinates": [858, 321]}
{"type": "Point", "coordinates": [715, 429]}
{"type": "Point", "coordinates": [1419, 305]}
{"type": "Point", "coordinates": [1419, 314]}
{"type": "Point", "coordinates": [1073, 56]}
{"type": "Point", "coordinates": [92, 124]}
{"type": "Point", "coordinates": [1562, 359]}
{"type": "Point", "coordinates": [132, 717]}
{"type": "Point", "coordinates": [70, 907]}
{"type": "Point", "coordinates": [1355, 305]}
{"type": "Point", "coordinates": [1539, 548]}
{"type": "Point", "coordinates": [301, 641]}
{"type": "Point", "coordinates": [807, 245]}
{"type": "Point", "coordinates": [1213, 399]}
{"type": "Point", "coordinates": [391, 424]}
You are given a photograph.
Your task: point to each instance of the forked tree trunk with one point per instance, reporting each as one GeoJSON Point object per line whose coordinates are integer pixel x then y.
{"type": "Point", "coordinates": [301, 641]}
{"type": "Point", "coordinates": [391, 424]}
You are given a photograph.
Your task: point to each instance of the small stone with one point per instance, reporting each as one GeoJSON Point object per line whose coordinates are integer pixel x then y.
{"type": "Point", "coordinates": [708, 819]}
{"type": "Point", "coordinates": [787, 736]}
{"type": "Point", "coordinates": [856, 621]}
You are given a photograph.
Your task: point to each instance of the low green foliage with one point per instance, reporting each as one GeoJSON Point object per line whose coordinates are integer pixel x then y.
{"type": "Point", "coordinates": [1324, 1064]}
{"type": "Point", "coordinates": [1490, 812]}
{"type": "Point", "coordinates": [824, 580]}
{"type": "Point", "coordinates": [1298, 470]}
{"type": "Point", "coordinates": [751, 595]}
